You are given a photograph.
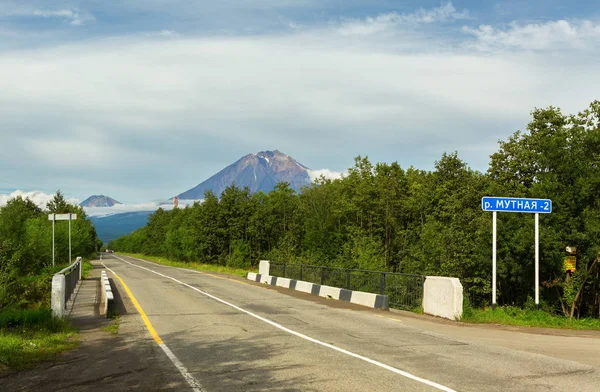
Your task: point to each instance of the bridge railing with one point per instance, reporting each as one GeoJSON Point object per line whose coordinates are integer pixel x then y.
{"type": "Point", "coordinates": [405, 291]}
{"type": "Point", "coordinates": [64, 283]}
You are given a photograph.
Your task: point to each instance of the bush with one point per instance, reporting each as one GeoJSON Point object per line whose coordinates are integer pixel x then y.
{"type": "Point", "coordinates": [467, 308]}
{"type": "Point", "coordinates": [32, 319]}
{"type": "Point", "coordinates": [240, 255]}
{"type": "Point", "coordinates": [530, 305]}
{"type": "Point", "coordinates": [29, 291]}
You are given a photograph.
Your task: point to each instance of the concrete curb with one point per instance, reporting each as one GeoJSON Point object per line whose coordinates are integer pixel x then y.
{"type": "Point", "coordinates": [370, 300]}
{"type": "Point", "coordinates": [106, 291]}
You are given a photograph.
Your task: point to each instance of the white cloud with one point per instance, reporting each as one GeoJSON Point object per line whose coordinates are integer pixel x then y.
{"type": "Point", "coordinates": [38, 197]}
{"type": "Point", "coordinates": [377, 24]}
{"type": "Point", "coordinates": [121, 208]}
{"type": "Point", "coordinates": [140, 118]}
{"type": "Point", "coordinates": [164, 33]}
{"type": "Point", "coordinates": [552, 35]}
{"type": "Point", "coordinates": [41, 199]}
{"type": "Point", "coordinates": [73, 17]}
{"type": "Point", "coordinates": [150, 206]}
{"type": "Point", "coordinates": [328, 174]}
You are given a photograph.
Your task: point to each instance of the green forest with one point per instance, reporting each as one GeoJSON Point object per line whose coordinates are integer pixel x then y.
{"type": "Point", "coordinates": [26, 249]}
{"type": "Point", "coordinates": [381, 216]}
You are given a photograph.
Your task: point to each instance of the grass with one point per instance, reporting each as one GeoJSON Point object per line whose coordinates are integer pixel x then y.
{"type": "Point", "coordinates": [113, 327]}
{"type": "Point", "coordinates": [30, 336]}
{"type": "Point", "coordinates": [511, 315]}
{"type": "Point", "coordinates": [221, 269]}
{"type": "Point", "coordinates": [86, 268]}
{"type": "Point", "coordinates": [418, 310]}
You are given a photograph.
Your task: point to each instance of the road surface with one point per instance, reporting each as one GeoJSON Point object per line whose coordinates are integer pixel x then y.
{"type": "Point", "coordinates": [226, 334]}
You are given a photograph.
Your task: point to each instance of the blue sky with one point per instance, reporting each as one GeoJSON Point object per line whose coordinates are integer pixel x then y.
{"type": "Point", "coordinates": [141, 100]}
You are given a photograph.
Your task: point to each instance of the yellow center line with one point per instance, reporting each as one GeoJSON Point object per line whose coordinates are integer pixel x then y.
{"type": "Point", "coordinates": [138, 307]}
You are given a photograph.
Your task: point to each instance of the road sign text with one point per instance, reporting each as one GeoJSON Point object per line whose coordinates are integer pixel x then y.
{"type": "Point", "coordinates": [511, 204]}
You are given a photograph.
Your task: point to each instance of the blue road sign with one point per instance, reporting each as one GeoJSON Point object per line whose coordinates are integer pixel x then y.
{"type": "Point", "coordinates": [513, 204]}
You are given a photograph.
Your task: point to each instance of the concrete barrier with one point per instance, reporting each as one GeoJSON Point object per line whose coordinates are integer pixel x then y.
{"type": "Point", "coordinates": [58, 295]}
{"type": "Point", "coordinates": [443, 297]}
{"type": "Point", "coordinates": [264, 267]}
{"type": "Point", "coordinates": [106, 293]}
{"type": "Point", "coordinates": [356, 297]}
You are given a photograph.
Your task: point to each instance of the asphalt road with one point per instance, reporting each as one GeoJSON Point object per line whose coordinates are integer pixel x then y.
{"type": "Point", "coordinates": [232, 335]}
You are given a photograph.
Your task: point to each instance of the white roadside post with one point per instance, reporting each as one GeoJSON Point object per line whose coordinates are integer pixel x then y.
{"type": "Point", "coordinates": [514, 204]}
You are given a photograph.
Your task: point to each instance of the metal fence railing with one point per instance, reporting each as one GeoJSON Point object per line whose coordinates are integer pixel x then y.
{"type": "Point", "coordinates": [72, 276]}
{"type": "Point", "coordinates": [405, 291]}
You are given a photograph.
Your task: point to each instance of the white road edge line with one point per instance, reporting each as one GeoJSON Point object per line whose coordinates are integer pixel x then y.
{"type": "Point", "coordinates": [300, 335]}
{"type": "Point", "coordinates": [191, 380]}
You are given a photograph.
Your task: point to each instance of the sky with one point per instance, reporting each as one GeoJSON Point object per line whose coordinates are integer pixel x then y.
{"type": "Point", "coordinates": [142, 100]}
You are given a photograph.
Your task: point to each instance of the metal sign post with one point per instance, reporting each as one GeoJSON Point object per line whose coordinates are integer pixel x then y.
{"type": "Point", "coordinates": [70, 239]}
{"type": "Point", "coordinates": [495, 214]}
{"type": "Point", "coordinates": [58, 217]}
{"type": "Point", "coordinates": [53, 219]}
{"type": "Point", "coordinates": [511, 204]}
{"type": "Point", "coordinates": [537, 260]}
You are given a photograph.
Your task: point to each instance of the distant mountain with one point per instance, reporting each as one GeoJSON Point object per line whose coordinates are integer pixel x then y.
{"type": "Point", "coordinates": [111, 227]}
{"type": "Point", "coordinates": [259, 172]}
{"type": "Point", "coordinates": [99, 201]}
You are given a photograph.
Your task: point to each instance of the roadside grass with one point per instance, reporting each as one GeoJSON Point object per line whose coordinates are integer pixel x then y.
{"type": "Point", "coordinates": [86, 268]}
{"type": "Point", "coordinates": [220, 269]}
{"type": "Point", "coordinates": [33, 335]}
{"type": "Point", "coordinates": [113, 327]}
{"type": "Point", "coordinates": [418, 310]}
{"type": "Point", "coordinates": [511, 315]}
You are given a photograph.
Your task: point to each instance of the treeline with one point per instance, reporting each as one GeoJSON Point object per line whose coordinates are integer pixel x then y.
{"type": "Point", "coordinates": [385, 217]}
{"type": "Point", "coordinates": [26, 248]}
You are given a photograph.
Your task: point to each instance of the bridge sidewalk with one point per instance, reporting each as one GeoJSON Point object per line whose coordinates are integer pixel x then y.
{"type": "Point", "coordinates": [84, 308]}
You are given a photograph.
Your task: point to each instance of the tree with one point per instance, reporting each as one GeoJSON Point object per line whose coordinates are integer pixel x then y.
{"type": "Point", "coordinates": [13, 217]}
{"type": "Point", "coordinates": [58, 204]}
